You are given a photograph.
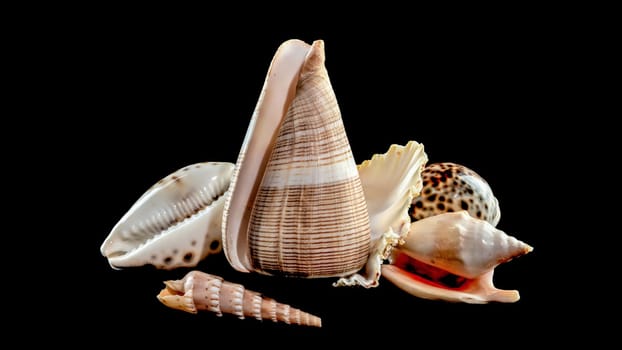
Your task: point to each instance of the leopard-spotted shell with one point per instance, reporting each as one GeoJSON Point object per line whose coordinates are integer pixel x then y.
{"type": "Point", "coordinates": [451, 187]}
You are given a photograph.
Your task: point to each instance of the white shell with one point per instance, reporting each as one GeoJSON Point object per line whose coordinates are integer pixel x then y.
{"type": "Point", "coordinates": [296, 205]}
{"type": "Point", "coordinates": [390, 182]}
{"type": "Point", "coordinates": [460, 245]}
{"type": "Point", "coordinates": [175, 223]}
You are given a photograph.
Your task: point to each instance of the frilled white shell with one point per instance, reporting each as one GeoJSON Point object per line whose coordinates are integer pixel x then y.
{"type": "Point", "coordinates": [451, 187]}
{"type": "Point", "coordinates": [175, 223]}
{"type": "Point", "coordinates": [452, 257]}
{"type": "Point", "coordinates": [390, 182]}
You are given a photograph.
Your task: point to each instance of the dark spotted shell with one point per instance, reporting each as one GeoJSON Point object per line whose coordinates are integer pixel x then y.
{"type": "Point", "coordinates": [451, 187]}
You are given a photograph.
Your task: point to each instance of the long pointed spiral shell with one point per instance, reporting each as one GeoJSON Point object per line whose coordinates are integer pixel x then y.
{"type": "Point", "coordinates": [199, 291]}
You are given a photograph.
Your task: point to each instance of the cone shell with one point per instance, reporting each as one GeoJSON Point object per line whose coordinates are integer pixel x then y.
{"type": "Point", "coordinates": [199, 291]}
{"type": "Point", "coordinates": [296, 205]}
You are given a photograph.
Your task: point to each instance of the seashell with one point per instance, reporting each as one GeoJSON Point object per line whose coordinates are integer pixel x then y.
{"type": "Point", "coordinates": [451, 187]}
{"type": "Point", "coordinates": [296, 206]}
{"type": "Point", "coordinates": [390, 182]}
{"type": "Point", "coordinates": [175, 223]}
{"type": "Point", "coordinates": [452, 257]}
{"type": "Point", "coordinates": [199, 291]}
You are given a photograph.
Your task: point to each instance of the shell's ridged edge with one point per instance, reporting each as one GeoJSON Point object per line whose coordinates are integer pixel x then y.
{"type": "Point", "coordinates": [393, 149]}
{"type": "Point", "coordinates": [199, 291]}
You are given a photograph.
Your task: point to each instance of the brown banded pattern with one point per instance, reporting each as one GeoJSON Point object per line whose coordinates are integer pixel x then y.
{"type": "Point", "coordinates": [310, 216]}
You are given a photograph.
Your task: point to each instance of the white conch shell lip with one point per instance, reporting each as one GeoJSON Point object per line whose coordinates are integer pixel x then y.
{"type": "Point", "coordinates": [175, 222]}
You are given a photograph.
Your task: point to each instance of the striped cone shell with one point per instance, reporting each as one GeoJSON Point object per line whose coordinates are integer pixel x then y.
{"type": "Point", "coordinates": [199, 291]}
{"type": "Point", "coordinates": [306, 214]}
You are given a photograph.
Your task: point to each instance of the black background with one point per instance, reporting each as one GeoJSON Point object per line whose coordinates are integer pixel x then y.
{"type": "Point", "coordinates": [137, 98]}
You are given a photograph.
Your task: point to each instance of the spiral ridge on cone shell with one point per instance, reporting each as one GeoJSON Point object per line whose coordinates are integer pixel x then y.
{"type": "Point", "coordinates": [199, 291]}
{"type": "Point", "coordinates": [296, 206]}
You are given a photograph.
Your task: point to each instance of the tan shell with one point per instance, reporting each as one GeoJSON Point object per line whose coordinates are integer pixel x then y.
{"type": "Point", "coordinates": [296, 206]}
{"type": "Point", "coordinates": [199, 291]}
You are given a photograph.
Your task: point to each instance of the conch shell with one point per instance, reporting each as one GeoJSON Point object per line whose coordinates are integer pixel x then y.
{"type": "Point", "coordinates": [452, 257]}
{"type": "Point", "coordinates": [199, 291]}
{"type": "Point", "coordinates": [296, 206]}
{"type": "Point", "coordinates": [176, 223]}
